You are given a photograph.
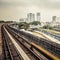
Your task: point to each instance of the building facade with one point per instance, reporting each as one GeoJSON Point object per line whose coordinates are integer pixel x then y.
{"type": "Point", "coordinates": [22, 20]}
{"type": "Point", "coordinates": [38, 16]}
{"type": "Point", "coordinates": [53, 18]}
{"type": "Point", "coordinates": [30, 17]}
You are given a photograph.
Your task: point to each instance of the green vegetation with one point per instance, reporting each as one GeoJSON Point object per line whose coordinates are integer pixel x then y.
{"type": "Point", "coordinates": [8, 21]}
{"type": "Point", "coordinates": [35, 23]}
{"type": "Point", "coordinates": [23, 25]}
{"type": "Point", "coordinates": [47, 27]}
{"type": "Point", "coordinates": [1, 21]}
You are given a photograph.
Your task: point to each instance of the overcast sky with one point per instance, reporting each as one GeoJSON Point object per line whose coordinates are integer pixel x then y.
{"type": "Point", "coordinates": [16, 9]}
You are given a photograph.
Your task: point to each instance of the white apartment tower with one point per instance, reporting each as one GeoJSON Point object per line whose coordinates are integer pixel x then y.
{"type": "Point", "coordinates": [31, 17]}
{"type": "Point", "coordinates": [38, 16]}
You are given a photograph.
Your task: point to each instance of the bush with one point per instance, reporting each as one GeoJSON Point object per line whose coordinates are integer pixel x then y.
{"type": "Point", "coordinates": [47, 27]}
{"type": "Point", "coordinates": [1, 21]}
{"type": "Point", "coordinates": [23, 25]}
{"type": "Point", "coordinates": [35, 23]}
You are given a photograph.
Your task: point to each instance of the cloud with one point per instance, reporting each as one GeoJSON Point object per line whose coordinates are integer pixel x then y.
{"type": "Point", "coordinates": [14, 9]}
{"type": "Point", "coordinates": [55, 4]}
{"type": "Point", "coordinates": [11, 3]}
{"type": "Point", "coordinates": [25, 3]}
{"type": "Point", "coordinates": [54, 0]}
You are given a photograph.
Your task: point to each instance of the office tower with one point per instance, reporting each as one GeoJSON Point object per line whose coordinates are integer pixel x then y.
{"type": "Point", "coordinates": [22, 20]}
{"type": "Point", "coordinates": [38, 16]}
{"type": "Point", "coordinates": [58, 19]}
{"type": "Point", "coordinates": [53, 18]}
{"type": "Point", "coordinates": [31, 17]}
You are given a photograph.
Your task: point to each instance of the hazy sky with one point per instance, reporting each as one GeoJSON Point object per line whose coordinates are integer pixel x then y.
{"type": "Point", "coordinates": [16, 9]}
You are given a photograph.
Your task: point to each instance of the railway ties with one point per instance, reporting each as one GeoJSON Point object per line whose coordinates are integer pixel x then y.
{"type": "Point", "coordinates": [33, 54]}
{"type": "Point", "coordinates": [9, 51]}
{"type": "Point", "coordinates": [44, 42]}
{"type": "Point", "coordinates": [26, 53]}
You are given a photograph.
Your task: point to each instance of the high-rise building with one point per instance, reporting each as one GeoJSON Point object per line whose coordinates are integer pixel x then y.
{"type": "Point", "coordinates": [31, 17]}
{"type": "Point", "coordinates": [53, 18]}
{"type": "Point", "coordinates": [38, 16]}
{"type": "Point", "coordinates": [55, 21]}
{"type": "Point", "coordinates": [22, 20]}
{"type": "Point", "coordinates": [58, 19]}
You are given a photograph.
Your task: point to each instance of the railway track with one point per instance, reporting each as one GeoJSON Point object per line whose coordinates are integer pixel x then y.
{"type": "Point", "coordinates": [32, 55]}
{"type": "Point", "coordinates": [47, 44]}
{"type": "Point", "coordinates": [36, 55]}
{"type": "Point", "coordinates": [50, 34]}
{"type": "Point", "coordinates": [50, 46]}
{"type": "Point", "coordinates": [9, 51]}
{"type": "Point", "coordinates": [42, 44]}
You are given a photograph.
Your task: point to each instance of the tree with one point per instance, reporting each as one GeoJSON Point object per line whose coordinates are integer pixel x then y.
{"type": "Point", "coordinates": [35, 23]}
{"type": "Point", "coordinates": [1, 21]}
{"type": "Point", "coordinates": [47, 27]}
{"type": "Point", "coordinates": [23, 25]}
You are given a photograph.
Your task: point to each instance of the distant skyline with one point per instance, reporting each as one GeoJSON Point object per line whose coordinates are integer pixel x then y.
{"type": "Point", "coordinates": [16, 9]}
